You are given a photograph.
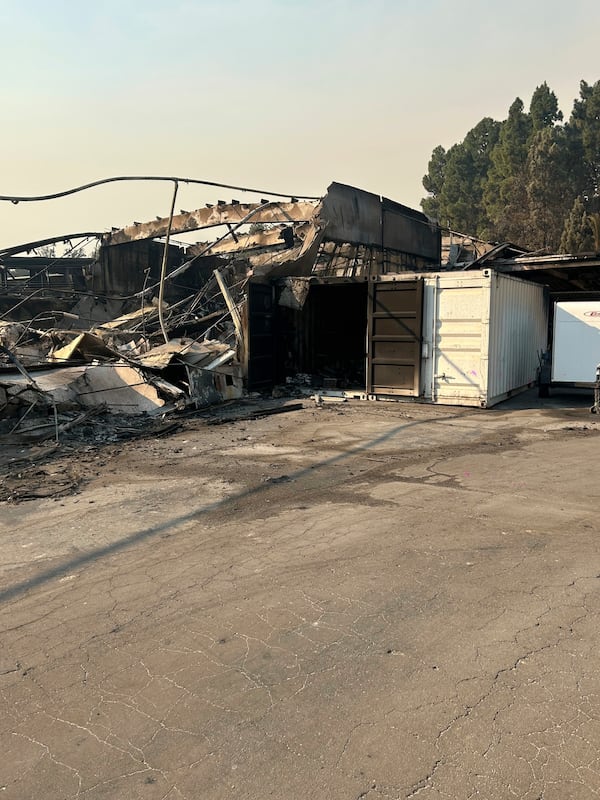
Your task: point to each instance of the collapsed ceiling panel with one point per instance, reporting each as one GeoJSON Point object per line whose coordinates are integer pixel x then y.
{"type": "Point", "coordinates": [167, 320]}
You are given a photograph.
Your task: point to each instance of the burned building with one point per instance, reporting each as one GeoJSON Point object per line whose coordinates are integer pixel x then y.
{"type": "Point", "coordinates": [200, 320]}
{"type": "Point", "coordinates": [343, 294]}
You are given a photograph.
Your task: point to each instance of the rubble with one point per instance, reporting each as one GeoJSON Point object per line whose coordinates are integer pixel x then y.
{"type": "Point", "coordinates": [146, 327]}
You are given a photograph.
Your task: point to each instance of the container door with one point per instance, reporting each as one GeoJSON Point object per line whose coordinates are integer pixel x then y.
{"type": "Point", "coordinates": [461, 322]}
{"type": "Point", "coordinates": [261, 339]}
{"type": "Point", "coordinates": [394, 351]}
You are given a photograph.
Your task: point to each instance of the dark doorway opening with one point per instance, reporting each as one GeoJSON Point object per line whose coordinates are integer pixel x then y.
{"type": "Point", "coordinates": [326, 340]}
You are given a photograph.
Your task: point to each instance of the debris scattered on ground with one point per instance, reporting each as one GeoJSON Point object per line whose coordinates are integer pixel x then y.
{"type": "Point", "coordinates": [147, 325]}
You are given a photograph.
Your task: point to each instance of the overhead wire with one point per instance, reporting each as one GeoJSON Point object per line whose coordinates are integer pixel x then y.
{"type": "Point", "coordinates": [65, 193]}
{"type": "Point", "coordinates": [195, 301]}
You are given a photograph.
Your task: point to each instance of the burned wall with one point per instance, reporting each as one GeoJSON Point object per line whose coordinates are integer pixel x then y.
{"type": "Point", "coordinates": [125, 269]}
{"type": "Point", "coordinates": [354, 216]}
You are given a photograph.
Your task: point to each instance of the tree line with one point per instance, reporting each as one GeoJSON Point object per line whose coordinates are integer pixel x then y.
{"type": "Point", "coordinates": [532, 179]}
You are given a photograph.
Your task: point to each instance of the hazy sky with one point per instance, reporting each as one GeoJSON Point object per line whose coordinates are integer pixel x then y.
{"type": "Point", "coordinates": [286, 95]}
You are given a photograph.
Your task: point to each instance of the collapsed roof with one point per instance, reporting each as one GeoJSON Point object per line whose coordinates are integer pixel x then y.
{"type": "Point", "coordinates": [143, 295]}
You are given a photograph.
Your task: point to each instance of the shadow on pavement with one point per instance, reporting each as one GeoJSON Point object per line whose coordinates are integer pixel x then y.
{"type": "Point", "coordinates": [148, 533]}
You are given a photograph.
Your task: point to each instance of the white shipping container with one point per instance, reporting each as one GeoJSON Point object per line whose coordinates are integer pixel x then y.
{"type": "Point", "coordinates": [469, 338]}
{"type": "Point", "coordinates": [576, 341]}
{"type": "Point", "coordinates": [483, 334]}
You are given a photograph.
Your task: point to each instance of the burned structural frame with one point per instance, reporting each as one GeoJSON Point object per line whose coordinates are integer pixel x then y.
{"type": "Point", "coordinates": [309, 290]}
{"type": "Point", "coordinates": [322, 328]}
{"type": "Point", "coordinates": [355, 322]}
{"type": "Point", "coordinates": [348, 232]}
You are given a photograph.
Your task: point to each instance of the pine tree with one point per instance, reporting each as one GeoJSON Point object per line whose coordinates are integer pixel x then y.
{"type": "Point", "coordinates": [577, 236]}
{"type": "Point", "coordinates": [433, 182]}
{"type": "Point", "coordinates": [468, 163]}
{"type": "Point", "coordinates": [582, 226]}
{"type": "Point", "coordinates": [518, 180]}
{"type": "Point", "coordinates": [594, 223]}
{"type": "Point", "coordinates": [585, 126]}
{"type": "Point", "coordinates": [505, 196]}
{"type": "Point", "coordinates": [549, 188]}
{"type": "Point", "coordinates": [543, 108]}
{"type": "Point", "coordinates": [456, 178]}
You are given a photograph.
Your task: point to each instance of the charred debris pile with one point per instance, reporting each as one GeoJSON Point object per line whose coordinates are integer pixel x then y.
{"type": "Point", "coordinates": [148, 325]}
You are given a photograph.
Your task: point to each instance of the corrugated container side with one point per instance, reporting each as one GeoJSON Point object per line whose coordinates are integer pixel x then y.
{"type": "Point", "coordinates": [518, 333]}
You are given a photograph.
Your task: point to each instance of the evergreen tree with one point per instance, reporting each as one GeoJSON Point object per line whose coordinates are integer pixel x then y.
{"type": "Point", "coordinates": [456, 178]}
{"type": "Point", "coordinates": [585, 126]}
{"type": "Point", "coordinates": [549, 188]}
{"type": "Point", "coordinates": [433, 182]}
{"type": "Point", "coordinates": [518, 180]}
{"type": "Point", "coordinates": [461, 198]}
{"type": "Point", "coordinates": [582, 227]}
{"type": "Point", "coordinates": [543, 108]}
{"type": "Point", "coordinates": [505, 196]}
{"type": "Point", "coordinates": [577, 236]}
{"type": "Point", "coordinates": [455, 202]}
{"type": "Point", "coordinates": [594, 222]}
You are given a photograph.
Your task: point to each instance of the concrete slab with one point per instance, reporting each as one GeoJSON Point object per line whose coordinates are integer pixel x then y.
{"type": "Point", "coordinates": [364, 600]}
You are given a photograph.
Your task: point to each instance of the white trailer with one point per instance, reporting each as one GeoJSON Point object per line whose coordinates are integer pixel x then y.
{"type": "Point", "coordinates": [574, 357]}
